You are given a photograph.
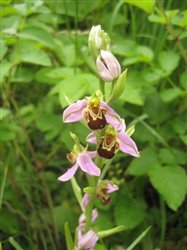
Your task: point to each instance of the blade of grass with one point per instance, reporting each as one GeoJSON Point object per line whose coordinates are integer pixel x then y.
{"type": "Point", "coordinates": [142, 235]}
{"type": "Point", "coordinates": [3, 184]}
{"type": "Point", "coordinates": [14, 243]}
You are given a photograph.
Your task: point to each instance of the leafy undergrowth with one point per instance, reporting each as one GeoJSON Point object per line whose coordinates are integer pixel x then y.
{"type": "Point", "coordinates": [44, 58]}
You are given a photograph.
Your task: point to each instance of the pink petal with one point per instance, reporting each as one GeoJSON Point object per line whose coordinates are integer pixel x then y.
{"type": "Point", "coordinates": [94, 214]}
{"type": "Point", "coordinates": [113, 118]}
{"type": "Point", "coordinates": [104, 73]}
{"type": "Point", "coordinates": [91, 138]}
{"type": "Point", "coordinates": [112, 63]}
{"type": "Point", "coordinates": [88, 240]}
{"type": "Point", "coordinates": [85, 200]}
{"type": "Point", "coordinates": [112, 187]}
{"type": "Point", "coordinates": [69, 173]}
{"type": "Point", "coordinates": [127, 145]}
{"type": "Point", "coordinates": [87, 165]}
{"type": "Point", "coordinates": [82, 218]}
{"type": "Point", "coordinates": [74, 112]}
{"type": "Point", "coordinates": [92, 154]}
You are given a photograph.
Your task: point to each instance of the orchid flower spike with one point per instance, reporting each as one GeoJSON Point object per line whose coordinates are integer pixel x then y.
{"type": "Point", "coordinates": [94, 111]}
{"type": "Point", "coordinates": [84, 161]}
{"type": "Point", "coordinates": [108, 66]}
{"type": "Point", "coordinates": [112, 141]}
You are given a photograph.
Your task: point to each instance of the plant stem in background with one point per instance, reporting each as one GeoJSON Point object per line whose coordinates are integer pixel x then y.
{"type": "Point", "coordinates": [172, 32]}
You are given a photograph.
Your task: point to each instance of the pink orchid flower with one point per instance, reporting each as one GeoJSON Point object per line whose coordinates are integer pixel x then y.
{"type": "Point", "coordinates": [84, 161]}
{"type": "Point", "coordinates": [104, 188]}
{"type": "Point", "coordinates": [111, 142]}
{"type": "Point", "coordinates": [96, 113]}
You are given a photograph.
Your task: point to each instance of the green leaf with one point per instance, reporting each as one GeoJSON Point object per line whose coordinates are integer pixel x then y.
{"type": "Point", "coordinates": [119, 87]}
{"type": "Point", "coordinates": [69, 240]}
{"type": "Point", "coordinates": [147, 6]}
{"type": "Point", "coordinates": [3, 49]}
{"type": "Point", "coordinates": [140, 166]}
{"type": "Point", "coordinates": [154, 106]}
{"type": "Point", "coordinates": [129, 212]}
{"type": "Point", "coordinates": [28, 51]}
{"type": "Point", "coordinates": [169, 95]}
{"type": "Point", "coordinates": [169, 61]}
{"type": "Point", "coordinates": [4, 113]}
{"type": "Point", "coordinates": [106, 233]}
{"type": "Point", "coordinates": [132, 95]}
{"type": "Point", "coordinates": [8, 132]}
{"type": "Point", "coordinates": [171, 183]}
{"type": "Point", "coordinates": [183, 80]}
{"type": "Point", "coordinates": [5, 66]}
{"type": "Point", "coordinates": [85, 83]}
{"type": "Point", "coordinates": [38, 34]}
{"type": "Point", "coordinates": [161, 18]}
{"type": "Point", "coordinates": [172, 156]}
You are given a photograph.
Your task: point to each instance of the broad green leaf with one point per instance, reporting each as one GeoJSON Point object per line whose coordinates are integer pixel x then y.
{"type": "Point", "coordinates": [183, 80]}
{"type": "Point", "coordinates": [161, 18]}
{"type": "Point", "coordinates": [157, 110]}
{"type": "Point", "coordinates": [184, 138]}
{"type": "Point", "coordinates": [5, 66]}
{"type": "Point", "coordinates": [38, 34]}
{"type": "Point", "coordinates": [23, 75]}
{"type": "Point", "coordinates": [50, 124]}
{"type": "Point", "coordinates": [180, 19]}
{"type": "Point", "coordinates": [75, 89]}
{"type": "Point", "coordinates": [147, 6]}
{"type": "Point", "coordinates": [125, 48]}
{"type": "Point", "coordinates": [4, 113]}
{"type": "Point", "coordinates": [10, 24]}
{"type": "Point", "coordinates": [28, 51]}
{"type": "Point", "coordinates": [169, 95]}
{"type": "Point", "coordinates": [129, 211]}
{"type": "Point", "coordinates": [8, 132]}
{"type": "Point", "coordinates": [169, 61]}
{"type": "Point", "coordinates": [104, 221]}
{"type": "Point", "coordinates": [171, 183]}
{"type": "Point", "coordinates": [3, 49]}
{"type": "Point", "coordinates": [132, 95]}
{"type": "Point", "coordinates": [9, 222]}
{"type": "Point", "coordinates": [140, 166]}
{"type": "Point", "coordinates": [172, 156]}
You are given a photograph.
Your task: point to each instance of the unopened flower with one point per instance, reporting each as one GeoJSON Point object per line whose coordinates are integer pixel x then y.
{"type": "Point", "coordinates": [112, 141]}
{"type": "Point", "coordinates": [98, 40]}
{"type": "Point", "coordinates": [82, 160]}
{"type": "Point", "coordinates": [94, 111]}
{"type": "Point", "coordinates": [108, 66]}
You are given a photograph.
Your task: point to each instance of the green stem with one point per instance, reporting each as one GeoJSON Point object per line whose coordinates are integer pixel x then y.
{"type": "Point", "coordinates": [163, 220]}
{"type": "Point", "coordinates": [172, 32]}
{"type": "Point", "coordinates": [102, 87]}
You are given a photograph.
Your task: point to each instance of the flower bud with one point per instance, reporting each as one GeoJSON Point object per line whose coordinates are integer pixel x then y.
{"type": "Point", "coordinates": [98, 40]}
{"type": "Point", "coordinates": [108, 66]}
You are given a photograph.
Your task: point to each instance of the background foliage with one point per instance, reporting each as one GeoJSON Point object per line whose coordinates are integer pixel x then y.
{"type": "Point", "coordinates": [44, 56]}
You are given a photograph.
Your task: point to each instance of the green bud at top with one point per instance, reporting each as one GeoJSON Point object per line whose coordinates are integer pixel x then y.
{"type": "Point", "coordinates": [98, 40]}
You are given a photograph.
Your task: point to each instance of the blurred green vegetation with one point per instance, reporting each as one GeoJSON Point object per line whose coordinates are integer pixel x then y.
{"type": "Point", "coordinates": [44, 57]}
